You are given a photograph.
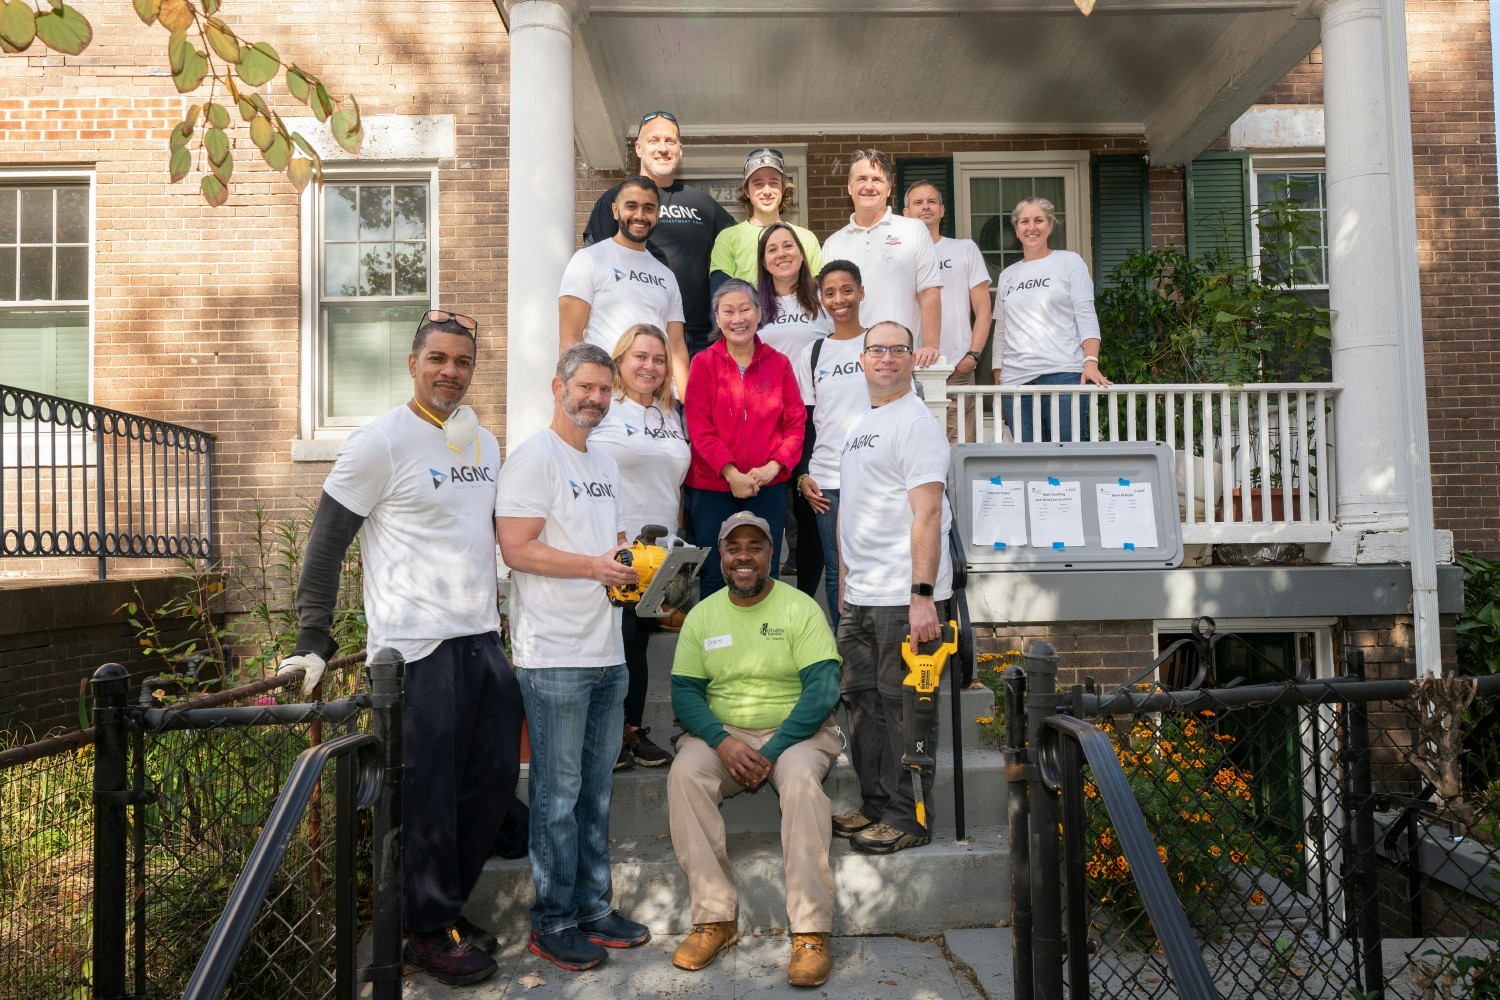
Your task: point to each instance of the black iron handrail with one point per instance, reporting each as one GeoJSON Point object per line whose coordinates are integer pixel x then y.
{"type": "Point", "coordinates": [82, 480]}
{"type": "Point", "coordinates": [358, 787]}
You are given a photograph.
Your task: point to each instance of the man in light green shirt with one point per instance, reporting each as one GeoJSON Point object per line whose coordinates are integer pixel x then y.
{"type": "Point", "coordinates": [755, 682]}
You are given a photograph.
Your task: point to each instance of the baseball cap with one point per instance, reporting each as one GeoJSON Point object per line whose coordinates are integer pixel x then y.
{"type": "Point", "coordinates": [764, 156]}
{"type": "Point", "coordinates": [741, 519]}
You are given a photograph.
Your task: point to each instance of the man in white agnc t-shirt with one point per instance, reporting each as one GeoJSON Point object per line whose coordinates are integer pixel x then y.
{"type": "Point", "coordinates": [561, 524]}
{"type": "Point", "coordinates": [896, 577]}
{"type": "Point", "coordinates": [612, 285]}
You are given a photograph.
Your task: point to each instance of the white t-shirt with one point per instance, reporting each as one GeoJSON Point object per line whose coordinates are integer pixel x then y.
{"type": "Point", "coordinates": [887, 452]}
{"type": "Point", "coordinates": [897, 260]}
{"type": "Point", "coordinates": [623, 287]}
{"type": "Point", "coordinates": [563, 623]}
{"type": "Point", "coordinates": [428, 541]}
{"type": "Point", "coordinates": [794, 328]}
{"type": "Point", "coordinates": [962, 267]}
{"type": "Point", "coordinates": [838, 394]}
{"type": "Point", "coordinates": [1044, 311]}
{"type": "Point", "coordinates": [650, 446]}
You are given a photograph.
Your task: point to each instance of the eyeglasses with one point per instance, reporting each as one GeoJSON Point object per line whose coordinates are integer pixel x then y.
{"type": "Point", "coordinates": [442, 316]}
{"type": "Point", "coordinates": [881, 350]}
{"type": "Point", "coordinates": [764, 151]}
{"type": "Point", "coordinates": [660, 114]}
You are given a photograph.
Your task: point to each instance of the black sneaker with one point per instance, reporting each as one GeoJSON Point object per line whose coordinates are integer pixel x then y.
{"type": "Point", "coordinates": [646, 753]}
{"type": "Point", "coordinates": [476, 935]}
{"type": "Point", "coordinates": [447, 957]}
{"type": "Point", "coordinates": [614, 931]}
{"type": "Point", "coordinates": [567, 949]}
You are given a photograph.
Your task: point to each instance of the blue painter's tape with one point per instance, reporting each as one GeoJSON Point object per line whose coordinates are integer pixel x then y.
{"type": "Point", "coordinates": [1058, 546]}
{"type": "Point", "coordinates": [996, 481]}
{"type": "Point", "coordinates": [1052, 482]}
{"type": "Point", "coordinates": [1130, 546]}
{"type": "Point", "coordinates": [999, 545]}
{"type": "Point", "coordinates": [1124, 482]}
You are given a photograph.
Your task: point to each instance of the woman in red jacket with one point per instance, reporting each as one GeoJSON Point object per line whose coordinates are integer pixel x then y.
{"type": "Point", "coordinates": [744, 419]}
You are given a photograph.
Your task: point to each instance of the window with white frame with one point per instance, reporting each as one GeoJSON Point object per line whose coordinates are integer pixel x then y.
{"type": "Point", "coordinates": [46, 242]}
{"type": "Point", "coordinates": [1292, 249]}
{"type": "Point", "coordinates": [989, 185]}
{"type": "Point", "coordinates": [720, 170]}
{"type": "Point", "coordinates": [374, 277]}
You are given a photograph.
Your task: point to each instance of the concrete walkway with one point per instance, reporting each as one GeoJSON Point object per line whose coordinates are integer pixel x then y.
{"type": "Point", "coordinates": [946, 967]}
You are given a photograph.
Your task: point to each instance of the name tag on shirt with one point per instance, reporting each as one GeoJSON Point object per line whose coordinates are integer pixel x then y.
{"type": "Point", "coordinates": [718, 642]}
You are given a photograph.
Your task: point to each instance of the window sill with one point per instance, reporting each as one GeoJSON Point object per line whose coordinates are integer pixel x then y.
{"type": "Point", "coordinates": [318, 449]}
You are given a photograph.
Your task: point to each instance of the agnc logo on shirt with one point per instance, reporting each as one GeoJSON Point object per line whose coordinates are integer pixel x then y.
{"type": "Point", "coordinates": [847, 368]}
{"type": "Point", "coordinates": [599, 490]}
{"type": "Point", "coordinates": [469, 474]}
{"type": "Point", "coordinates": [861, 442]}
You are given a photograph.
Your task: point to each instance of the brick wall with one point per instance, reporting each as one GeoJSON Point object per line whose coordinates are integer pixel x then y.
{"type": "Point", "coordinates": [1303, 85]}
{"type": "Point", "coordinates": [196, 313]}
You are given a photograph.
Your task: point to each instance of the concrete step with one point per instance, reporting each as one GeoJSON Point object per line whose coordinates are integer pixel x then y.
{"type": "Point", "coordinates": [639, 806]}
{"type": "Point", "coordinates": [973, 704]}
{"type": "Point", "coordinates": [918, 892]}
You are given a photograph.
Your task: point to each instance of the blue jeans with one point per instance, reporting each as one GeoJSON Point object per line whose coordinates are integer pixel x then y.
{"type": "Point", "coordinates": [710, 508]}
{"type": "Point", "coordinates": [575, 716]}
{"type": "Point", "coordinates": [1064, 415]}
{"type": "Point", "coordinates": [828, 533]}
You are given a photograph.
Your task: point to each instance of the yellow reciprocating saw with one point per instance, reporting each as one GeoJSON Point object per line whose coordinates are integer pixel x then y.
{"type": "Point", "coordinates": [924, 669]}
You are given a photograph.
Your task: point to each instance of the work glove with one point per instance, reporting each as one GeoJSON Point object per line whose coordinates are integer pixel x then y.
{"type": "Point", "coordinates": [313, 666]}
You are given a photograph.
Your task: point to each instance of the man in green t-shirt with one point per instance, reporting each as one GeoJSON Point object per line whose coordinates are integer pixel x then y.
{"type": "Point", "coordinates": [755, 683]}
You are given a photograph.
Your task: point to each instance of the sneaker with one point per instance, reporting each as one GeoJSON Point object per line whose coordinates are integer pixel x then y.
{"type": "Point", "coordinates": [850, 823]}
{"type": "Point", "coordinates": [566, 949]}
{"type": "Point", "coordinates": [705, 942]}
{"type": "Point", "coordinates": [882, 838]}
{"type": "Point", "coordinates": [646, 753]}
{"type": "Point", "coordinates": [447, 957]}
{"type": "Point", "coordinates": [476, 935]}
{"type": "Point", "coordinates": [614, 931]}
{"type": "Point", "coordinates": [809, 965]}
{"type": "Point", "coordinates": [625, 761]}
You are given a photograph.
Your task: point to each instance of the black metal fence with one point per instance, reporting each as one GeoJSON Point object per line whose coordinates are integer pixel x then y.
{"type": "Point", "coordinates": [120, 846]}
{"type": "Point", "coordinates": [1314, 834]}
{"type": "Point", "coordinates": [80, 480]}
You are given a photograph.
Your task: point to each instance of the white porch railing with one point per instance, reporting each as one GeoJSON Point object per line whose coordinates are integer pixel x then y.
{"type": "Point", "coordinates": [1254, 462]}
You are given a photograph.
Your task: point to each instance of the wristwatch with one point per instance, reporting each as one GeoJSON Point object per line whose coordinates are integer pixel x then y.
{"type": "Point", "coordinates": [975, 355]}
{"type": "Point", "coordinates": [921, 590]}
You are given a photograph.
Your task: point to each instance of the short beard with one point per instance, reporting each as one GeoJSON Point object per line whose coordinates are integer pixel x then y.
{"type": "Point", "coordinates": [438, 404]}
{"type": "Point", "coordinates": [583, 416]}
{"type": "Point", "coordinates": [745, 593]}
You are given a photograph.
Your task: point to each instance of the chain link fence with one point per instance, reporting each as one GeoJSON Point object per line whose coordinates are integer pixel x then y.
{"type": "Point", "coordinates": [1317, 836]}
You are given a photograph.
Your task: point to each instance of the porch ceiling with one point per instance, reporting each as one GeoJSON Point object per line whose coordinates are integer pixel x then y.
{"type": "Point", "coordinates": [1175, 72]}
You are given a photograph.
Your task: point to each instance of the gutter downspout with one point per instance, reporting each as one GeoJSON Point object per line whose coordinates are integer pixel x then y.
{"type": "Point", "coordinates": [1413, 369]}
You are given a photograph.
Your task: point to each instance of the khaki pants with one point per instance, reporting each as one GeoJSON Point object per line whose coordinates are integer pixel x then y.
{"type": "Point", "coordinates": [699, 782]}
{"type": "Point", "coordinates": [970, 431]}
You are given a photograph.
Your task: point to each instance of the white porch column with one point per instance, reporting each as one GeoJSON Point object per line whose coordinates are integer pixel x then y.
{"type": "Point", "coordinates": [539, 223]}
{"type": "Point", "coordinates": [1363, 270]}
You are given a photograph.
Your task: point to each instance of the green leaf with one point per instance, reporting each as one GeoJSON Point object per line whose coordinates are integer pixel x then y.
{"type": "Point", "coordinates": [57, 4]}
{"type": "Point", "coordinates": [275, 154]}
{"type": "Point", "coordinates": [194, 69]}
{"type": "Point", "coordinates": [217, 144]}
{"type": "Point", "coordinates": [296, 83]}
{"type": "Point", "coordinates": [214, 191]}
{"type": "Point", "coordinates": [261, 133]}
{"type": "Point", "coordinates": [147, 10]}
{"type": "Point", "coordinates": [177, 50]}
{"type": "Point", "coordinates": [322, 104]}
{"type": "Point", "coordinates": [299, 171]}
{"type": "Point", "coordinates": [217, 116]}
{"type": "Point", "coordinates": [222, 40]}
{"type": "Point", "coordinates": [224, 168]}
{"type": "Point", "coordinates": [17, 24]}
{"type": "Point", "coordinates": [258, 63]}
{"type": "Point", "coordinates": [346, 127]}
{"type": "Point", "coordinates": [211, 6]}
{"type": "Point", "coordinates": [192, 117]}
{"type": "Point", "coordinates": [247, 110]}
{"type": "Point", "coordinates": [64, 30]}
{"type": "Point", "coordinates": [180, 135]}
{"type": "Point", "coordinates": [304, 145]}
{"type": "Point", "coordinates": [181, 163]}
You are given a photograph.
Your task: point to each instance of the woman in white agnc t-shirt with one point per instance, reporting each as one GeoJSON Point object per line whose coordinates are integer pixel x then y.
{"type": "Point", "coordinates": [1045, 324]}
{"type": "Point", "coordinates": [644, 434]}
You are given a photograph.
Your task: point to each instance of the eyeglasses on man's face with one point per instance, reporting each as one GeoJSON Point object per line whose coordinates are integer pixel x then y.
{"type": "Point", "coordinates": [881, 350]}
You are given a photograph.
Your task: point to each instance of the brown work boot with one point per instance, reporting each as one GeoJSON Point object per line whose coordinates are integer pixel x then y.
{"type": "Point", "coordinates": [809, 966]}
{"type": "Point", "coordinates": [849, 823]}
{"type": "Point", "coordinates": [703, 945]}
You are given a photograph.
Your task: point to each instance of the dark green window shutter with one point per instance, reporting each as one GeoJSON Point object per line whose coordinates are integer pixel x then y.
{"type": "Point", "coordinates": [1218, 205]}
{"type": "Point", "coordinates": [935, 170]}
{"type": "Point", "coordinates": [1122, 211]}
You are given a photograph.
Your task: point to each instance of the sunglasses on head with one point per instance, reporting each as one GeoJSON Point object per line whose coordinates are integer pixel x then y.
{"type": "Point", "coordinates": [765, 151]}
{"type": "Point", "coordinates": [659, 114]}
{"type": "Point", "coordinates": [443, 316]}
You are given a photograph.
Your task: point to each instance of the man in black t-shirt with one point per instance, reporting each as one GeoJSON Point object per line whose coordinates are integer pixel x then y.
{"type": "Point", "coordinates": [689, 222]}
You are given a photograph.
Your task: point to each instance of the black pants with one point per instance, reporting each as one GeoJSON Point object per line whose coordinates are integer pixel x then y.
{"type": "Point", "coordinates": [461, 728]}
{"type": "Point", "coordinates": [809, 553]}
{"type": "Point", "coordinates": [636, 632]}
